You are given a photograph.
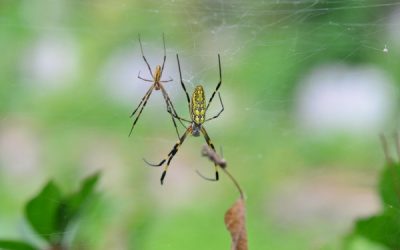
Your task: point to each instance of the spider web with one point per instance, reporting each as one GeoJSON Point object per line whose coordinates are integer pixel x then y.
{"type": "Point", "coordinates": [269, 50]}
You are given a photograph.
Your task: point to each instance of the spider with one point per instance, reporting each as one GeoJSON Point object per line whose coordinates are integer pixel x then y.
{"type": "Point", "coordinates": [156, 80]}
{"type": "Point", "coordinates": [197, 109]}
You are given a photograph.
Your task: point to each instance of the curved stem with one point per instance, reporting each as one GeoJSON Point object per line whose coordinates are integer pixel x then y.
{"type": "Point", "coordinates": [234, 182]}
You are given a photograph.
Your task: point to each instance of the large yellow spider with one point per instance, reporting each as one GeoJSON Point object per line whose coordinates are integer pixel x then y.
{"type": "Point", "coordinates": [197, 109]}
{"type": "Point", "coordinates": [156, 80]}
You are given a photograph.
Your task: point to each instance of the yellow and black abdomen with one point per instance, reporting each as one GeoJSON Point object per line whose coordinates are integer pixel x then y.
{"type": "Point", "coordinates": [198, 105]}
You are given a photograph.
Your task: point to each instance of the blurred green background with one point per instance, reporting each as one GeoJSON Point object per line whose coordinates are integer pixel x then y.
{"type": "Point", "coordinates": [307, 87]}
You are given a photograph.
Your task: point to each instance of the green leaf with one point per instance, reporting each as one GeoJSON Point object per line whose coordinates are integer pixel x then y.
{"type": "Point", "coordinates": [76, 200]}
{"type": "Point", "coordinates": [384, 228]}
{"type": "Point", "coordinates": [73, 205]}
{"type": "Point", "coordinates": [389, 185]}
{"type": "Point", "coordinates": [41, 212]}
{"type": "Point", "coordinates": [15, 245]}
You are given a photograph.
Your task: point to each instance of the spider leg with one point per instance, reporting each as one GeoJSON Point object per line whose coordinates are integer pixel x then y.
{"type": "Point", "coordinates": [144, 101]}
{"type": "Point", "coordinates": [173, 120]}
{"type": "Point", "coordinates": [183, 85]}
{"type": "Point", "coordinates": [178, 117]}
{"type": "Point", "coordinates": [208, 140]}
{"type": "Point", "coordinates": [169, 107]}
{"type": "Point", "coordinates": [204, 177]}
{"type": "Point", "coordinates": [222, 109]}
{"type": "Point", "coordinates": [144, 58]}
{"type": "Point", "coordinates": [163, 64]}
{"type": "Point", "coordinates": [169, 80]}
{"type": "Point", "coordinates": [144, 97]}
{"type": "Point", "coordinates": [219, 83]}
{"type": "Point", "coordinates": [170, 155]}
{"type": "Point", "coordinates": [146, 80]}
{"type": "Point", "coordinates": [165, 55]}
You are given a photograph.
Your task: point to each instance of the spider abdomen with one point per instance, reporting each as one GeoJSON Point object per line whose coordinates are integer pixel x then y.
{"type": "Point", "coordinates": [198, 105]}
{"type": "Point", "coordinates": [157, 77]}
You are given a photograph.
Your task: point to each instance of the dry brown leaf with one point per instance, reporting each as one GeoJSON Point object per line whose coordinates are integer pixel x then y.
{"type": "Point", "coordinates": [235, 221]}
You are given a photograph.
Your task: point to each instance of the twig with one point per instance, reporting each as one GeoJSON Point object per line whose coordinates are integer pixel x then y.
{"type": "Point", "coordinates": [213, 156]}
{"type": "Point", "coordinates": [221, 162]}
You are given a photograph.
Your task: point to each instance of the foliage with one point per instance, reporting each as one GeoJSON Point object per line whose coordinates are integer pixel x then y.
{"type": "Point", "coordinates": [383, 228]}
{"type": "Point", "coordinates": [15, 245]}
{"type": "Point", "coordinates": [50, 213]}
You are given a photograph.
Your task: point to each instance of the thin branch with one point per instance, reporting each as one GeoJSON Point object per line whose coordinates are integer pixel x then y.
{"type": "Point", "coordinates": [213, 156]}
{"type": "Point", "coordinates": [221, 162]}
